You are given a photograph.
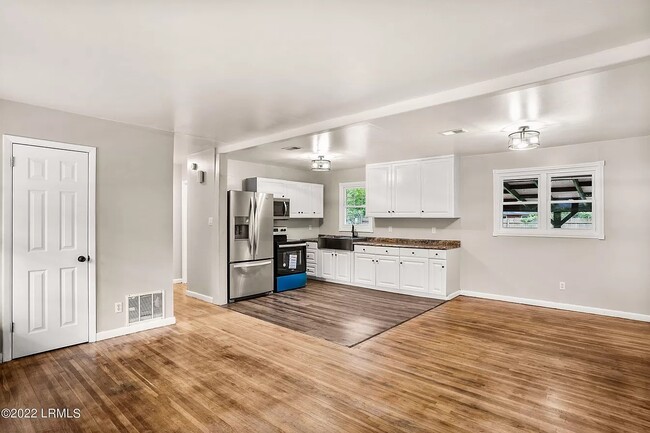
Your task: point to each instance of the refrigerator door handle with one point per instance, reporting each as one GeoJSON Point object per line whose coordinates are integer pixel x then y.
{"type": "Point", "coordinates": [251, 227]}
{"type": "Point", "coordinates": [256, 227]}
{"type": "Point", "coordinates": [254, 264]}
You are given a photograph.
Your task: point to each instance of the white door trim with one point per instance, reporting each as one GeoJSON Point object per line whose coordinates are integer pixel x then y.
{"type": "Point", "coordinates": [7, 234]}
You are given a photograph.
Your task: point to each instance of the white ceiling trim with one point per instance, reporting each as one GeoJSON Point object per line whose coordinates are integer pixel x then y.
{"type": "Point", "coordinates": [599, 60]}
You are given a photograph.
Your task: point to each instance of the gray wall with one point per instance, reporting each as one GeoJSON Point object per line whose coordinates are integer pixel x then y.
{"type": "Point", "coordinates": [134, 200]}
{"type": "Point", "coordinates": [177, 236]}
{"type": "Point", "coordinates": [203, 239]}
{"type": "Point", "coordinates": [611, 273]}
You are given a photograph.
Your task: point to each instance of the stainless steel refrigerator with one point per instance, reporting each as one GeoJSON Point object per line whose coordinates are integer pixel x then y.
{"type": "Point", "coordinates": [250, 244]}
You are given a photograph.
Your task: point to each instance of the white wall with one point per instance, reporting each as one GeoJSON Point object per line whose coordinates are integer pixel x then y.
{"type": "Point", "coordinates": [134, 200]}
{"type": "Point", "coordinates": [611, 273]}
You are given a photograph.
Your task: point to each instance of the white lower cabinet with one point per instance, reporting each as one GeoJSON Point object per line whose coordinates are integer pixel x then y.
{"type": "Point", "coordinates": [437, 277]}
{"type": "Point", "coordinates": [414, 274]}
{"type": "Point", "coordinates": [343, 266]}
{"type": "Point", "coordinates": [417, 272]}
{"type": "Point", "coordinates": [335, 265]}
{"type": "Point", "coordinates": [364, 269]}
{"type": "Point", "coordinates": [312, 260]}
{"type": "Point", "coordinates": [387, 273]}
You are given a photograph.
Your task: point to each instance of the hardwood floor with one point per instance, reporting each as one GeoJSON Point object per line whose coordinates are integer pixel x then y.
{"type": "Point", "coordinates": [341, 314]}
{"type": "Point", "coordinates": [469, 365]}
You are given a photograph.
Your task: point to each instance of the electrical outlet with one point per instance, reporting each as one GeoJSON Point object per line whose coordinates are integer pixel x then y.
{"type": "Point", "coordinates": [210, 221]}
{"type": "Point", "coordinates": [433, 230]}
{"type": "Point", "coordinates": [390, 229]}
{"type": "Point", "coordinates": [562, 285]}
{"type": "Point", "coordinates": [118, 307]}
{"type": "Point", "coordinates": [310, 227]}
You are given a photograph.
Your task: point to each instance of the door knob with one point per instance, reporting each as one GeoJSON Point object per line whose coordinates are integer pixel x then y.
{"type": "Point", "coordinates": [81, 259]}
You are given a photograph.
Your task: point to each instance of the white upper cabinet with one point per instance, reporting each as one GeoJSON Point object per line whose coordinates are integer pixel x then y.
{"type": "Point", "coordinates": [306, 199]}
{"type": "Point", "coordinates": [272, 186]}
{"type": "Point", "coordinates": [440, 187]}
{"type": "Point", "coordinates": [316, 198]}
{"type": "Point", "coordinates": [421, 188]}
{"type": "Point", "coordinates": [406, 189]}
{"type": "Point", "coordinates": [379, 192]}
{"type": "Point", "coordinates": [300, 200]}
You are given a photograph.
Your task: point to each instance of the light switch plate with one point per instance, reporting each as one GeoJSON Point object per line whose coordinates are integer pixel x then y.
{"type": "Point", "coordinates": [210, 221]}
{"type": "Point", "coordinates": [390, 229]}
{"type": "Point", "coordinates": [433, 230]}
{"type": "Point", "coordinates": [118, 307]}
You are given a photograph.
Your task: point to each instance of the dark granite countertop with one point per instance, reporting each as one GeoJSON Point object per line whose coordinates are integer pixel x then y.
{"type": "Point", "coordinates": [428, 244]}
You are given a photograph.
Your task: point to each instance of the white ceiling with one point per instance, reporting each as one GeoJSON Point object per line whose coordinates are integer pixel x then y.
{"type": "Point", "coordinates": [233, 70]}
{"type": "Point", "coordinates": [604, 105]}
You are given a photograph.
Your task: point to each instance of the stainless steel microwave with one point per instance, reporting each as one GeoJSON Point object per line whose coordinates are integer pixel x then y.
{"type": "Point", "coordinates": [281, 208]}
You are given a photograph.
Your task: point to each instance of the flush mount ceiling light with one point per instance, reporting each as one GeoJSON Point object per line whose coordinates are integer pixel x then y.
{"type": "Point", "coordinates": [321, 164]}
{"type": "Point", "coordinates": [454, 131]}
{"type": "Point", "coordinates": [524, 139]}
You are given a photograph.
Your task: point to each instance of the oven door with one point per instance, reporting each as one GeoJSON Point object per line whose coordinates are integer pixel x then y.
{"type": "Point", "coordinates": [281, 208]}
{"type": "Point", "coordinates": [290, 259]}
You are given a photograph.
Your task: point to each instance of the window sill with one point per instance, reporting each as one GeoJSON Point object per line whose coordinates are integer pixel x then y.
{"type": "Point", "coordinates": [572, 235]}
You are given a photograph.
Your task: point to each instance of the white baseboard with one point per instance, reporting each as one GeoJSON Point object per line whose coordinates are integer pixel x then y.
{"type": "Point", "coordinates": [200, 296]}
{"type": "Point", "coordinates": [144, 326]}
{"type": "Point", "coordinates": [178, 281]}
{"type": "Point", "coordinates": [558, 305]}
{"type": "Point", "coordinates": [453, 295]}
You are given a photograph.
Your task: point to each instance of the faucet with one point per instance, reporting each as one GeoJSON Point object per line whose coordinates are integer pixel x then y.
{"type": "Point", "coordinates": [354, 235]}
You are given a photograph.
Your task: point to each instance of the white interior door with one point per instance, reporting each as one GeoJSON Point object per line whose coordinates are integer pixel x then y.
{"type": "Point", "coordinates": [50, 240]}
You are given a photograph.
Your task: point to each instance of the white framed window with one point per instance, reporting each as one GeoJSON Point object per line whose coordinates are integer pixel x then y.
{"type": "Point", "coordinates": [352, 207]}
{"type": "Point", "coordinates": [559, 201]}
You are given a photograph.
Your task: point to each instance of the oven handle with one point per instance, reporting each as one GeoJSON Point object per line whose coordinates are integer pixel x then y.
{"type": "Point", "coordinates": [292, 245]}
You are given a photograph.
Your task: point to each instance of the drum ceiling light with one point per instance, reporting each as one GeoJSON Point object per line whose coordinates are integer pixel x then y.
{"type": "Point", "coordinates": [524, 139]}
{"type": "Point", "coordinates": [321, 164]}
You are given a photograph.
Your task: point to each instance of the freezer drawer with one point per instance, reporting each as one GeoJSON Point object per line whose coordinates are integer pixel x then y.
{"type": "Point", "coordinates": [250, 278]}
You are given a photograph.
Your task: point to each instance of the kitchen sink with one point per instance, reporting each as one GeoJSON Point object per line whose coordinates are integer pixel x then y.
{"type": "Point", "coordinates": [332, 242]}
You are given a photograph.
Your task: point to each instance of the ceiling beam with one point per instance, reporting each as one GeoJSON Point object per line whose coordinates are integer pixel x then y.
{"type": "Point", "coordinates": [543, 74]}
{"type": "Point", "coordinates": [581, 193]}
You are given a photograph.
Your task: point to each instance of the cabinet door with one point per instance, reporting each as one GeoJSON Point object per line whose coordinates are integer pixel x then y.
{"type": "Point", "coordinates": [343, 266]}
{"type": "Point", "coordinates": [316, 197]}
{"type": "Point", "coordinates": [387, 273]}
{"type": "Point", "coordinates": [406, 189]}
{"type": "Point", "coordinates": [437, 180]}
{"type": "Point", "coordinates": [414, 274]}
{"type": "Point", "coordinates": [272, 186]}
{"type": "Point", "coordinates": [379, 193]}
{"type": "Point", "coordinates": [437, 278]}
{"type": "Point", "coordinates": [299, 194]}
{"type": "Point", "coordinates": [327, 265]}
{"type": "Point", "coordinates": [364, 269]}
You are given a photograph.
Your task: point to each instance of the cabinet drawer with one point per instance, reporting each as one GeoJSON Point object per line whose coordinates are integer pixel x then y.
{"type": "Point", "coordinates": [413, 252]}
{"type": "Point", "coordinates": [311, 255]}
{"type": "Point", "coordinates": [312, 245]}
{"type": "Point", "coordinates": [312, 270]}
{"type": "Point", "coordinates": [380, 251]}
{"type": "Point", "coordinates": [437, 254]}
